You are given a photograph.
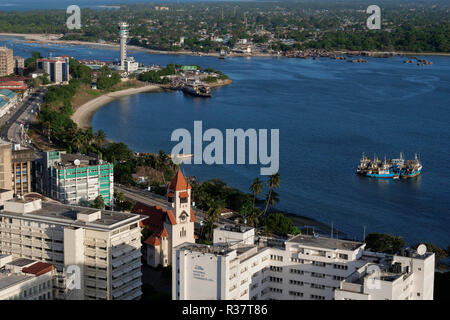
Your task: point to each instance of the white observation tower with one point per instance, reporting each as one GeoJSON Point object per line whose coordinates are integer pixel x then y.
{"type": "Point", "coordinates": [123, 34]}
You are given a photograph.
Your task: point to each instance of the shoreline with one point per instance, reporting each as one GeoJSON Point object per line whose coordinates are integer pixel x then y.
{"type": "Point", "coordinates": [84, 113]}
{"type": "Point", "coordinates": [55, 39]}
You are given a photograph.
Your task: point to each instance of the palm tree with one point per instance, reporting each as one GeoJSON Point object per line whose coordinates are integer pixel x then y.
{"type": "Point", "coordinates": [253, 217]}
{"type": "Point", "coordinates": [211, 217]}
{"type": "Point", "coordinates": [274, 198]}
{"type": "Point", "coordinates": [100, 138]}
{"type": "Point", "coordinates": [274, 183]}
{"type": "Point", "coordinates": [256, 188]}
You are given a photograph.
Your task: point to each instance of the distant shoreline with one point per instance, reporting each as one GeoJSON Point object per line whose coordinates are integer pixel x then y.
{"type": "Point", "coordinates": [55, 39]}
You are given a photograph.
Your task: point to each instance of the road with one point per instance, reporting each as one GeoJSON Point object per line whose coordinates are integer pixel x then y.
{"type": "Point", "coordinates": [152, 199]}
{"type": "Point", "coordinates": [14, 127]}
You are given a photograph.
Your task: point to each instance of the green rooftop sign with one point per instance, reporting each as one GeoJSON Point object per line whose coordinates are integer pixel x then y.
{"type": "Point", "coordinates": [189, 68]}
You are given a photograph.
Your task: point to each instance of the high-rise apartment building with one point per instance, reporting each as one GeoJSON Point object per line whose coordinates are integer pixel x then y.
{"type": "Point", "coordinates": [74, 178]}
{"type": "Point", "coordinates": [97, 254]}
{"type": "Point", "coordinates": [6, 61]}
{"type": "Point", "coordinates": [300, 268]}
{"type": "Point", "coordinates": [57, 68]}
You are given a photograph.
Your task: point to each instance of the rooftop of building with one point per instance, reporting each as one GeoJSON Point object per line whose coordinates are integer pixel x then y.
{"type": "Point", "coordinates": [8, 94]}
{"type": "Point", "coordinates": [8, 280]}
{"type": "Point", "coordinates": [204, 248]}
{"type": "Point", "coordinates": [68, 215]}
{"type": "Point", "coordinates": [24, 155]}
{"type": "Point", "coordinates": [236, 228]}
{"type": "Point", "coordinates": [27, 269]}
{"type": "Point", "coordinates": [326, 243]}
{"type": "Point", "coordinates": [21, 262]}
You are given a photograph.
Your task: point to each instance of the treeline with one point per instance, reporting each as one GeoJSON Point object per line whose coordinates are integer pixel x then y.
{"type": "Point", "coordinates": [434, 38]}
{"type": "Point", "coordinates": [158, 76]}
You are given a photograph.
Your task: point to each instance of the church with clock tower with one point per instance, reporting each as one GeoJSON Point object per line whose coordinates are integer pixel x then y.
{"type": "Point", "coordinates": [168, 227]}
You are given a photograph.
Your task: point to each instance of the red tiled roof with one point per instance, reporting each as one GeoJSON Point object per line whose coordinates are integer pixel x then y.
{"type": "Point", "coordinates": [170, 194]}
{"type": "Point", "coordinates": [178, 183]}
{"type": "Point", "coordinates": [152, 241]}
{"type": "Point", "coordinates": [184, 194]}
{"type": "Point", "coordinates": [171, 216]}
{"type": "Point", "coordinates": [38, 268]}
{"type": "Point", "coordinates": [155, 220]}
{"type": "Point", "coordinates": [192, 215]}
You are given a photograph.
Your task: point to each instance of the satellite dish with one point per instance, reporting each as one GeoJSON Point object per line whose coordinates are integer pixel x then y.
{"type": "Point", "coordinates": [76, 162]}
{"type": "Point", "coordinates": [422, 249]}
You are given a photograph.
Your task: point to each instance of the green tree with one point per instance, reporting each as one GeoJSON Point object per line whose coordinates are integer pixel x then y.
{"type": "Point", "coordinates": [256, 188]}
{"type": "Point", "coordinates": [274, 183]}
{"type": "Point", "coordinates": [279, 224]}
{"type": "Point", "coordinates": [99, 203]}
{"type": "Point", "coordinates": [385, 243]}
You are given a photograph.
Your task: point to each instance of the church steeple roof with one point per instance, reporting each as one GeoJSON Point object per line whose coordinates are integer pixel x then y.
{"type": "Point", "coordinates": [179, 183]}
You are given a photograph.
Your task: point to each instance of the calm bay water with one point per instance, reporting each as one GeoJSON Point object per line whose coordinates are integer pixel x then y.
{"type": "Point", "coordinates": [328, 113]}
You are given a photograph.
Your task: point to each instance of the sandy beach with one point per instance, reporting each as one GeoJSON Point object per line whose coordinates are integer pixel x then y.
{"type": "Point", "coordinates": [83, 114]}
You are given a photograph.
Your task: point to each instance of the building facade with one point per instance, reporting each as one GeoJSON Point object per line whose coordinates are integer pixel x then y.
{"type": "Point", "coordinates": [300, 268]}
{"type": "Point", "coordinates": [5, 165]}
{"type": "Point", "coordinates": [6, 61]}
{"type": "Point", "coordinates": [21, 161]}
{"type": "Point", "coordinates": [57, 68]}
{"type": "Point", "coordinates": [96, 253]}
{"type": "Point", "coordinates": [75, 178]}
{"type": "Point", "coordinates": [19, 65]}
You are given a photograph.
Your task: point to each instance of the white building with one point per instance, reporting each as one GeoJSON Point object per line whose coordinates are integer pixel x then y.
{"type": "Point", "coordinates": [25, 279]}
{"type": "Point", "coordinates": [57, 68]}
{"type": "Point", "coordinates": [130, 65]}
{"type": "Point", "coordinates": [171, 227]}
{"type": "Point", "coordinates": [101, 248]}
{"type": "Point", "coordinates": [301, 268]}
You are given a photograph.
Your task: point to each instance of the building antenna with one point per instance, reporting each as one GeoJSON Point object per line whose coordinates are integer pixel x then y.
{"type": "Point", "coordinates": [364, 233]}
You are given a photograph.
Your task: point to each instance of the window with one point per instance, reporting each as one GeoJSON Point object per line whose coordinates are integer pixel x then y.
{"type": "Point", "coordinates": [316, 297]}
{"type": "Point", "coordinates": [343, 256]}
{"type": "Point", "coordinates": [296, 282]}
{"type": "Point", "coordinates": [317, 275]}
{"type": "Point", "coordinates": [296, 271]}
{"type": "Point", "coordinates": [318, 264]}
{"type": "Point", "coordinates": [275, 279]}
{"type": "Point", "coordinates": [277, 269]}
{"type": "Point", "coordinates": [317, 286]}
{"type": "Point", "coordinates": [296, 293]}
{"type": "Point", "coordinates": [340, 266]}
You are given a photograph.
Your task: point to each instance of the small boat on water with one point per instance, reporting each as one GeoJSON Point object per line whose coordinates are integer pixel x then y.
{"type": "Point", "coordinates": [223, 54]}
{"type": "Point", "coordinates": [390, 169]}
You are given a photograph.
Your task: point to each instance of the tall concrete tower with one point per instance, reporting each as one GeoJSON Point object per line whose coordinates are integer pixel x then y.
{"type": "Point", "coordinates": [123, 34]}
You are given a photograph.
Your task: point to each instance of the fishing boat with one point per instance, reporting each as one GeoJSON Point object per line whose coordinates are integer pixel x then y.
{"type": "Point", "coordinates": [390, 169]}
